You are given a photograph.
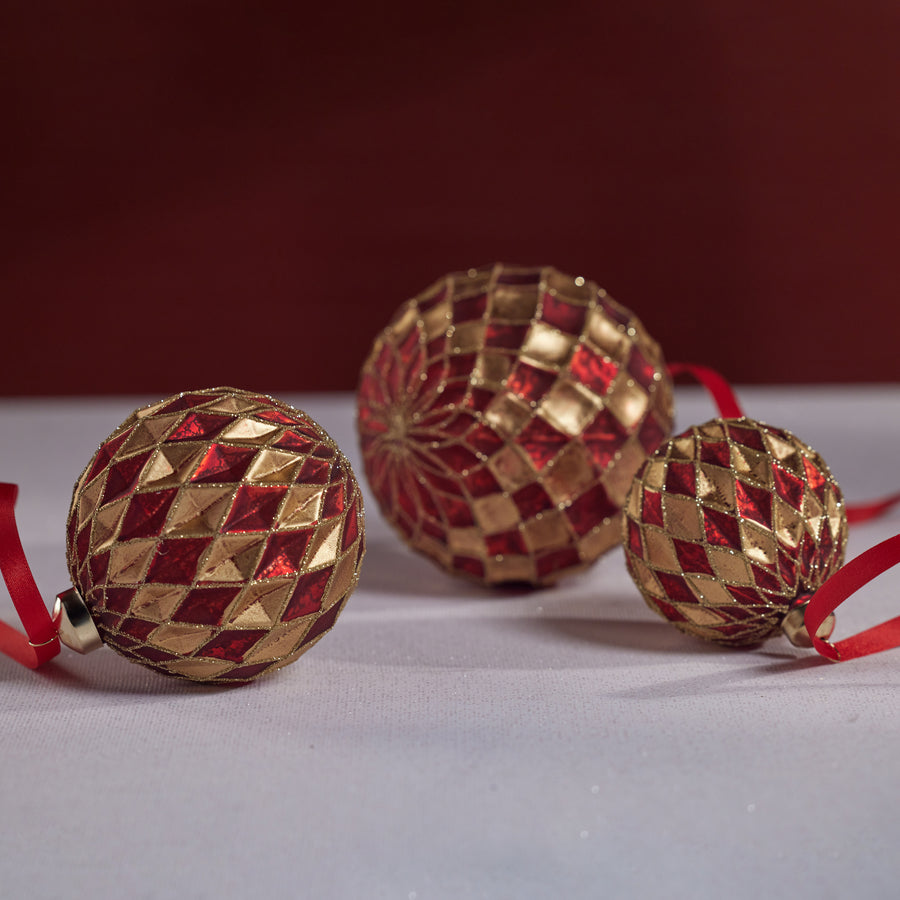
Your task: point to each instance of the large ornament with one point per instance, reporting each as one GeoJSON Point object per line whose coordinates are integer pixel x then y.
{"type": "Point", "coordinates": [730, 527]}
{"type": "Point", "coordinates": [503, 414]}
{"type": "Point", "coordinates": [214, 536]}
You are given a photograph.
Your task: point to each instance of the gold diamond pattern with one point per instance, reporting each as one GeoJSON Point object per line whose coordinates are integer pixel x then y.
{"type": "Point", "coordinates": [502, 416]}
{"type": "Point", "coordinates": [730, 524]}
{"type": "Point", "coordinates": [216, 535]}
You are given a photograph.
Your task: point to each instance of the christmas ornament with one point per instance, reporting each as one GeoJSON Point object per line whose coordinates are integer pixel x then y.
{"type": "Point", "coordinates": [731, 524]}
{"type": "Point", "coordinates": [502, 415]}
{"type": "Point", "coordinates": [214, 536]}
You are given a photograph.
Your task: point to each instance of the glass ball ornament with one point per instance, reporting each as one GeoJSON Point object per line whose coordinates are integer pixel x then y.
{"type": "Point", "coordinates": [502, 415]}
{"type": "Point", "coordinates": [730, 527]}
{"type": "Point", "coordinates": [214, 536]}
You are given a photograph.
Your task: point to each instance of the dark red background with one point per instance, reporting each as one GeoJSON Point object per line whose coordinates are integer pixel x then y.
{"type": "Point", "coordinates": [204, 193]}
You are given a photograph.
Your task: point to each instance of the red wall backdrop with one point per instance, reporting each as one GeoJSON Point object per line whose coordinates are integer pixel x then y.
{"type": "Point", "coordinates": [197, 193]}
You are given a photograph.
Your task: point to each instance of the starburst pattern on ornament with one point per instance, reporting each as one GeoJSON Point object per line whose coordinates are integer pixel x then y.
{"type": "Point", "coordinates": [728, 525]}
{"type": "Point", "coordinates": [216, 535]}
{"type": "Point", "coordinates": [502, 415]}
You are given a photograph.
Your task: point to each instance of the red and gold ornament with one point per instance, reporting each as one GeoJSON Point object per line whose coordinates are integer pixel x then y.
{"type": "Point", "coordinates": [732, 525]}
{"type": "Point", "coordinates": [502, 415]}
{"type": "Point", "coordinates": [214, 536]}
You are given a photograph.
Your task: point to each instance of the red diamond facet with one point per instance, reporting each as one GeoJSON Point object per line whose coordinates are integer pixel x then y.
{"type": "Point", "coordinates": [196, 426]}
{"type": "Point", "coordinates": [753, 503]}
{"type": "Point", "coordinates": [651, 508]}
{"type": "Point", "coordinates": [509, 337]}
{"type": "Point", "coordinates": [254, 508]}
{"type": "Point", "coordinates": [146, 514]}
{"type": "Point", "coordinates": [557, 561]}
{"type": "Point", "coordinates": [718, 453]}
{"type": "Point", "coordinates": [748, 437]}
{"type": "Point", "coordinates": [788, 486]}
{"type": "Point", "coordinates": [333, 505]}
{"type": "Point", "coordinates": [604, 436]}
{"type": "Point", "coordinates": [456, 457]}
{"type": "Point", "coordinates": [223, 464]}
{"type": "Point", "coordinates": [480, 482]}
{"type": "Point", "coordinates": [541, 441]}
{"type": "Point", "coordinates": [314, 471]}
{"type": "Point", "coordinates": [506, 542]}
{"type": "Point", "coordinates": [560, 314]}
{"type": "Point", "coordinates": [307, 596]}
{"type": "Point", "coordinates": [635, 544]}
{"type": "Point", "coordinates": [457, 512]}
{"type": "Point", "coordinates": [123, 476]}
{"type": "Point", "coordinates": [176, 560]}
{"type": "Point", "coordinates": [469, 564]}
{"type": "Point", "coordinates": [118, 600]}
{"type": "Point", "coordinates": [681, 479]}
{"type": "Point", "coordinates": [284, 553]}
{"type": "Point", "coordinates": [469, 308]}
{"type": "Point", "coordinates": [592, 370]}
{"type": "Point", "coordinates": [639, 369]}
{"type": "Point", "coordinates": [323, 623]}
{"type": "Point", "coordinates": [531, 500]}
{"type": "Point", "coordinates": [721, 529]}
{"type": "Point", "coordinates": [692, 557]}
{"type": "Point", "coordinates": [139, 629]}
{"type": "Point", "coordinates": [484, 440]}
{"type": "Point", "coordinates": [294, 442]}
{"type": "Point", "coordinates": [529, 382]}
{"type": "Point", "coordinates": [231, 645]}
{"type": "Point", "coordinates": [351, 526]}
{"type": "Point", "coordinates": [590, 509]}
{"type": "Point", "coordinates": [676, 588]}
{"type": "Point", "coordinates": [651, 435]}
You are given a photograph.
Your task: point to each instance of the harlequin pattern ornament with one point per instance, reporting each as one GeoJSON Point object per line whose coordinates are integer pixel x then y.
{"type": "Point", "coordinates": [215, 535]}
{"type": "Point", "coordinates": [502, 415]}
{"type": "Point", "coordinates": [731, 525]}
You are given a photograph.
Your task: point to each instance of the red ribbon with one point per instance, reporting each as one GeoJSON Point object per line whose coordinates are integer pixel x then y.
{"type": "Point", "coordinates": [845, 582]}
{"type": "Point", "coordinates": [718, 387]}
{"type": "Point", "coordinates": [42, 641]}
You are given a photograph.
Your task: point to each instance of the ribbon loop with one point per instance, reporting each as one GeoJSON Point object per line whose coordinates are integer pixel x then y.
{"type": "Point", "coordinates": [42, 641]}
{"type": "Point", "coordinates": [841, 585]}
{"type": "Point", "coordinates": [718, 387]}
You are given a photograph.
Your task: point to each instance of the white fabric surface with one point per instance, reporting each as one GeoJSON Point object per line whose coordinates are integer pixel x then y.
{"type": "Point", "coordinates": [448, 742]}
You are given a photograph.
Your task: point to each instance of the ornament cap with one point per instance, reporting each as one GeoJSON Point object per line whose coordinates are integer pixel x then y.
{"type": "Point", "coordinates": [795, 630]}
{"type": "Point", "coordinates": [74, 623]}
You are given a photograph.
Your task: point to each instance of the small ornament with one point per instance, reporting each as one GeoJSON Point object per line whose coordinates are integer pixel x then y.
{"type": "Point", "coordinates": [502, 416]}
{"type": "Point", "coordinates": [729, 529]}
{"type": "Point", "coordinates": [214, 536]}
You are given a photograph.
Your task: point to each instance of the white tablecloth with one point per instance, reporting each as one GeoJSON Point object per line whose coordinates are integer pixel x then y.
{"type": "Point", "coordinates": [448, 742]}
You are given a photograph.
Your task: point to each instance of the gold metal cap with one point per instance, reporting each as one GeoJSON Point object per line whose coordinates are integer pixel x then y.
{"type": "Point", "coordinates": [795, 629]}
{"type": "Point", "coordinates": [74, 623]}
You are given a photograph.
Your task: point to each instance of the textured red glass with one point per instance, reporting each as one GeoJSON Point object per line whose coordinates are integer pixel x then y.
{"type": "Point", "coordinates": [176, 560]}
{"type": "Point", "coordinates": [205, 606]}
{"type": "Point", "coordinates": [541, 441]}
{"type": "Point", "coordinates": [519, 412]}
{"type": "Point", "coordinates": [254, 508]}
{"type": "Point", "coordinates": [190, 578]}
{"type": "Point", "coordinates": [195, 426]}
{"type": "Point", "coordinates": [221, 463]}
{"type": "Point", "coordinates": [761, 547]}
{"type": "Point", "coordinates": [530, 382]}
{"type": "Point", "coordinates": [562, 315]}
{"type": "Point", "coordinates": [596, 371]}
{"type": "Point", "coordinates": [283, 554]}
{"type": "Point", "coordinates": [147, 514]}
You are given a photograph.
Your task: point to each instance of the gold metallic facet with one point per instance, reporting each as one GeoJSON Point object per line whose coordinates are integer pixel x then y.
{"type": "Point", "coordinates": [752, 531]}
{"type": "Point", "coordinates": [519, 404]}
